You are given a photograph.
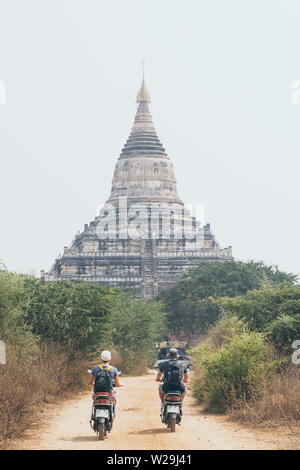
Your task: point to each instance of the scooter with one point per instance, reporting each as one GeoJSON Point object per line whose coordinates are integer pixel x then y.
{"type": "Point", "coordinates": [103, 413]}
{"type": "Point", "coordinates": [171, 412]}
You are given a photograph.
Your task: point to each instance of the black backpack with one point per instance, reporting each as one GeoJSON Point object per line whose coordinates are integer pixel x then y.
{"type": "Point", "coordinates": [174, 373]}
{"type": "Point", "coordinates": [103, 380]}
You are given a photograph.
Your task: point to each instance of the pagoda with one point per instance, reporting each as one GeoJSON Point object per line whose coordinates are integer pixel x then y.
{"type": "Point", "coordinates": [144, 238]}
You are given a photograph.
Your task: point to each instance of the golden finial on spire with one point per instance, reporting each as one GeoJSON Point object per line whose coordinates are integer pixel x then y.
{"type": "Point", "coordinates": [143, 94]}
{"type": "Point", "coordinates": [143, 64]}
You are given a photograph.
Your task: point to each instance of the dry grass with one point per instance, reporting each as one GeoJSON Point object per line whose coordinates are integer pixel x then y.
{"type": "Point", "coordinates": [279, 405]}
{"type": "Point", "coordinates": [25, 384]}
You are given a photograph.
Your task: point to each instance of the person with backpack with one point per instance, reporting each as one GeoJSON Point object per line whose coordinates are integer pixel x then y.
{"type": "Point", "coordinates": [104, 376]}
{"type": "Point", "coordinates": [172, 374]}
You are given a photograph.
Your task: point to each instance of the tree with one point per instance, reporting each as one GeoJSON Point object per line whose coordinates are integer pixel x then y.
{"type": "Point", "coordinates": [188, 302]}
{"type": "Point", "coordinates": [137, 325]}
{"type": "Point", "coordinates": [75, 314]}
{"type": "Point", "coordinates": [274, 310]}
{"type": "Point", "coordinates": [13, 327]}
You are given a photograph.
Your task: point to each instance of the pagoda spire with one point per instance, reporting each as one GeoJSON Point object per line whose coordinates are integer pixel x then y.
{"type": "Point", "coordinates": [143, 94]}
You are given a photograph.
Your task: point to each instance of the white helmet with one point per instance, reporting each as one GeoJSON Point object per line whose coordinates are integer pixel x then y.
{"type": "Point", "coordinates": [106, 356]}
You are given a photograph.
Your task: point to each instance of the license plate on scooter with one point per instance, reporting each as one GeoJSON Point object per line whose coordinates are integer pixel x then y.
{"type": "Point", "coordinates": [173, 409]}
{"type": "Point", "coordinates": [102, 413]}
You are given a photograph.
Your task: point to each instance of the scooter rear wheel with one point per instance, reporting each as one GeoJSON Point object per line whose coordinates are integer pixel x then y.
{"type": "Point", "coordinates": [173, 424]}
{"type": "Point", "coordinates": [101, 431]}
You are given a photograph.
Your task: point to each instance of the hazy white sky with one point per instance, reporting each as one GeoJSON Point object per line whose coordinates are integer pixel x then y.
{"type": "Point", "coordinates": [219, 74]}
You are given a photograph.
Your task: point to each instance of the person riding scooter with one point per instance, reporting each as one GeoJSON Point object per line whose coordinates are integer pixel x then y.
{"type": "Point", "coordinates": [104, 377]}
{"type": "Point", "coordinates": [172, 374]}
{"type": "Point", "coordinates": [112, 371]}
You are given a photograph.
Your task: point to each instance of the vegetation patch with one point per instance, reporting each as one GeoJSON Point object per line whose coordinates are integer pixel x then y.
{"type": "Point", "coordinates": [190, 305]}
{"type": "Point", "coordinates": [55, 331]}
{"type": "Point", "coordinates": [232, 365]}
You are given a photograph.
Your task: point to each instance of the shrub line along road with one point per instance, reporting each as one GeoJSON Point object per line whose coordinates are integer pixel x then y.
{"type": "Point", "coordinates": [138, 425]}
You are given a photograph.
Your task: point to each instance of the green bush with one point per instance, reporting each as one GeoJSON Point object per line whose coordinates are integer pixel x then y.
{"type": "Point", "coordinates": [283, 331]}
{"type": "Point", "coordinates": [136, 326]}
{"type": "Point", "coordinates": [272, 310]}
{"type": "Point", "coordinates": [75, 314]}
{"type": "Point", "coordinates": [234, 373]}
{"type": "Point", "coordinates": [188, 303]}
{"type": "Point", "coordinates": [221, 333]}
{"type": "Point", "coordinates": [13, 327]}
{"type": "Point", "coordinates": [226, 329]}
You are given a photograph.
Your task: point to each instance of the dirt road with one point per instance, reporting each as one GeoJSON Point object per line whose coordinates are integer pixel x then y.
{"type": "Point", "coordinates": [138, 426]}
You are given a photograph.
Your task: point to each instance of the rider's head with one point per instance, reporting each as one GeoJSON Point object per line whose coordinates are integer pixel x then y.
{"type": "Point", "coordinates": [106, 356]}
{"type": "Point", "coordinates": [173, 353]}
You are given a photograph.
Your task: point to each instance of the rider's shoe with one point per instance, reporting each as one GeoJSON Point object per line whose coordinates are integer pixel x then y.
{"type": "Point", "coordinates": [92, 424]}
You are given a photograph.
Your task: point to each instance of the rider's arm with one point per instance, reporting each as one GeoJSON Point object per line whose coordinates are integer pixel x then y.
{"type": "Point", "coordinates": [92, 377]}
{"type": "Point", "coordinates": [185, 377]}
{"type": "Point", "coordinates": [91, 381]}
{"type": "Point", "coordinates": [159, 376]}
{"type": "Point", "coordinates": [117, 382]}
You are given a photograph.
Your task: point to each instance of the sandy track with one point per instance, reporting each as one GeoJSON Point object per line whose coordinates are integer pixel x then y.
{"type": "Point", "coordinates": [138, 426]}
